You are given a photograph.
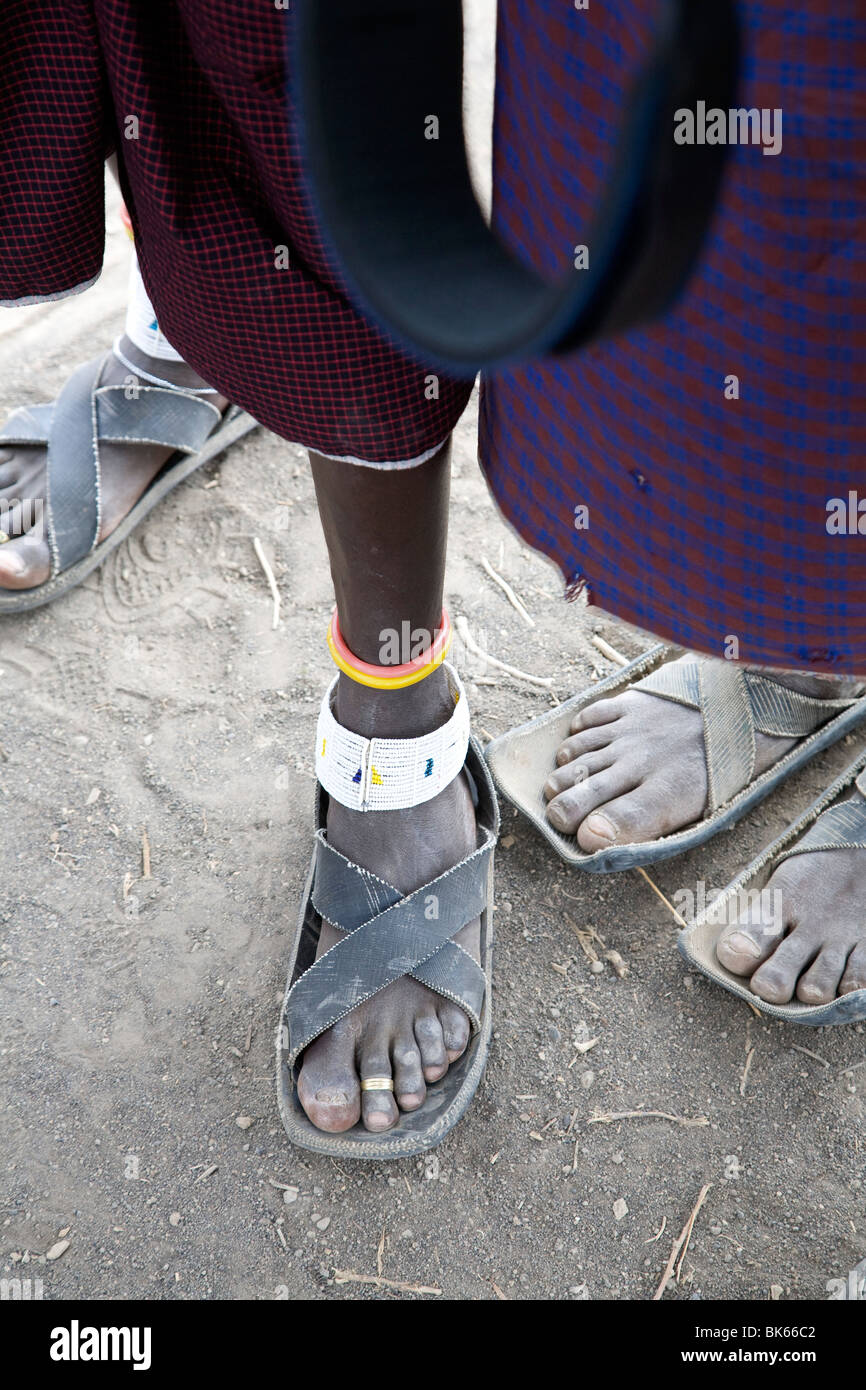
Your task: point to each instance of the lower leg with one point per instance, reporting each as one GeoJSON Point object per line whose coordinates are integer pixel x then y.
{"type": "Point", "coordinates": [386, 533]}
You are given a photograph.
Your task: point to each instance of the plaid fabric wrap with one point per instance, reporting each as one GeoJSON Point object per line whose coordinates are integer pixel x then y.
{"type": "Point", "coordinates": [707, 517]}
{"type": "Point", "coordinates": [191, 93]}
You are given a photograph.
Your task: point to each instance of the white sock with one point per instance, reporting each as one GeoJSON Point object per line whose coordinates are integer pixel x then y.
{"type": "Point", "coordinates": [141, 321]}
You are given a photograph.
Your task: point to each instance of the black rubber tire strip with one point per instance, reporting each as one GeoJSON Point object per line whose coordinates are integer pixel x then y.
{"type": "Point", "coordinates": [400, 213]}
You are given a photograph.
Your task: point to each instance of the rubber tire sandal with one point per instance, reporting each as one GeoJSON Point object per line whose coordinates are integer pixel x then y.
{"type": "Point", "coordinates": [734, 703]}
{"type": "Point", "coordinates": [390, 935]}
{"type": "Point", "coordinates": [825, 825]}
{"type": "Point", "coordinates": [72, 428]}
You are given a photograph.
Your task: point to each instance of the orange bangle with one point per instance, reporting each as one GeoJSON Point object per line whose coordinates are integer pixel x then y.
{"type": "Point", "coordinates": [389, 677]}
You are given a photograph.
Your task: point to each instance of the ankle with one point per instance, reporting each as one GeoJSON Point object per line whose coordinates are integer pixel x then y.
{"type": "Point", "coordinates": [417, 709]}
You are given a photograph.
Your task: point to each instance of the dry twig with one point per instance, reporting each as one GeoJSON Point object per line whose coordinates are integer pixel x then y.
{"type": "Point", "coordinates": [269, 576]}
{"type": "Point", "coordinates": [659, 1233]}
{"type": "Point", "coordinates": [348, 1276]}
{"type": "Point", "coordinates": [684, 1238]}
{"type": "Point", "coordinates": [507, 590]}
{"type": "Point", "coordinates": [469, 642]}
{"type": "Point", "coordinates": [659, 894]}
{"type": "Point", "coordinates": [610, 652]}
{"type": "Point", "coordinates": [746, 1069]}
{"type": "Point", "coordinates": [609, 1117]}
{"type": "Point", "coordinates": [814, 1055]}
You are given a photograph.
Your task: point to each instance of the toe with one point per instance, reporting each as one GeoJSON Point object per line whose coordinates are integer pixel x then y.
{"type": "Point", "coordinates": [24, 562]}
{"type": "Point", "coordinates": [572, 773]}
{"type": "Point", "coordinates": [820, 983]}
{"type": "Point", "coordinates": [599, 712]}
{"type": "Point", "coordinates": [587, 741]}
{"type": "Point", "coordinates": [455, 1030]}
{"type": "Point", "coordinates": [328, 1083]}
{"type": "Point", "coordinates": [776, 980]}
{"type": "Point", "coordinates": [409, 1088]}
{"type": "Point", "coordinates": [642, 813]}
{"type": "Point", "coordinates": [855, 971]}
{"type": "Point", "coordinates": [378, 1108]}
{"type": "Point", "coordinates": [567, 810]}
{"type": "Point", "coordinates": [752, 935]}
{"type": "Point", "coordinates": [434, 1057]}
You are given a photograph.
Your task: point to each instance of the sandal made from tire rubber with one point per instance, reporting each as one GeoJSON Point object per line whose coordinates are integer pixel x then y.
{"type": "Point", "coordinates": [735, 702]}
{"type": "Point", "coordinates": [390, 935]}
{"type": "Point", "coordinates": [825, 825]}
{"type": "Point", "coordinates": [72, 428]}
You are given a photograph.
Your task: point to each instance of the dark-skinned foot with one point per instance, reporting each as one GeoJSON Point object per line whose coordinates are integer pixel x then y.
{"type": "Point", "coordinates": [406, 1031]}
{"type": "Point", "coordinates": [126, 472]}
{"type": "Point", "coordinates": [809, 942]}
{"type": "Point", "coordinates": [634, 769]}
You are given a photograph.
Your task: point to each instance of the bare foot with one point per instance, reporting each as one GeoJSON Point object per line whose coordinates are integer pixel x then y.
{"type": "Point", "coordinates": [127, 471]}
{"type": "Point", "coordinates": [406, 1031]}
{"type": "Point", "coordinates": [634, 768]}
{"type": "Point", "coordinates": [813, 945]}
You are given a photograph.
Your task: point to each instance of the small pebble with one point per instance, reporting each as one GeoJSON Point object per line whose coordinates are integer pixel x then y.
{"type": "Point", "coordinates": [596, 967]}
{"type": "Point", "coordinates": [323, 1224]}
{"type": "Point", "coordinates": [290, 1195]}
{"type": "Point", "coordinates": [244, 1121]}
{"type": "Point", "coordinates": [174, 1219]}
{"type": "Point", "coordinates": [620, 1208]}
{"type": "Point", "coordinates": [586, 1079]}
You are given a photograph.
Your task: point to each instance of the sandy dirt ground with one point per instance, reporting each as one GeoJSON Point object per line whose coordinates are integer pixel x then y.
{"type": "Point", "coordinates": [140, 1135]}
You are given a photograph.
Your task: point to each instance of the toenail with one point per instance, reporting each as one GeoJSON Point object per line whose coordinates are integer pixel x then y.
{"type": "Point", "coordinates": [332, 1098]}
{"type": "Point", "coordinates": [597, 824]}
{"type": "Point", "coordinates": [744, 944]}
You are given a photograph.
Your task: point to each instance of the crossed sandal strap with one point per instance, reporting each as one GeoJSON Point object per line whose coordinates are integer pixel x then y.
{"type": "Point", "coordinates": [842, 826]}
{"type": "Point", "coordinates": [409, 936]}
{"type": "Point", "coordinates": [346, 894]}
{"type": "Point", "coordinates": [735, 704]}
{"type": "Point", "coordinates": [72, 428]}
